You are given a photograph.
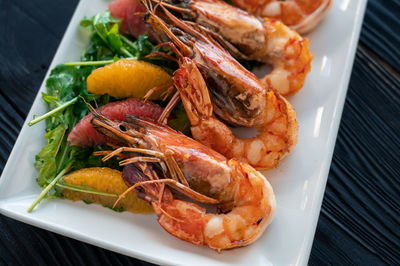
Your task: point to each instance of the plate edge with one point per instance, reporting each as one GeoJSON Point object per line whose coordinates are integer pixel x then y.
{"type": "Point", "coordinates": [321, 184]}
{"type": "Point", "coordinates": [339, 106]}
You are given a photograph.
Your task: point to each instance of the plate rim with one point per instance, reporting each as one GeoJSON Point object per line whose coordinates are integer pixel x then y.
{"type": "Point", "coordinates": [321, 181]}
{"type": "Point", "coordinates": [332, 136]}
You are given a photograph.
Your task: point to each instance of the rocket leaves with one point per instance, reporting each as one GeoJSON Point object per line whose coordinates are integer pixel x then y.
{"type": "Point", "coordinates": [66, 94]}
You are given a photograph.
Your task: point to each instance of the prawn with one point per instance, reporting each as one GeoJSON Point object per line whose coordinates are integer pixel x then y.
{"type": "Point", "coordinates": [247, 37]}
{"type": "Point", "coordinates": [275, 119]}
{"type": "Point", "coordinates": [158, 159]}
{"type": "Point", "coordinates": [236, 91]}
{"type": "Point", "coordinates": [300, 15]}
{"type": "Point", "coordinates": [276, 137]}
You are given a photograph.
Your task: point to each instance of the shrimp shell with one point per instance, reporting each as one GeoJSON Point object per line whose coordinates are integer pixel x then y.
{"type": "Point", "coordinates": [300, 15]}
{"type": "Point", "coordinates": [248, 37]}
{"type": "Point", "coordinates": [244, 198]}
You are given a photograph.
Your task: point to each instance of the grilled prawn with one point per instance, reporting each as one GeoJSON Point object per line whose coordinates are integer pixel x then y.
{"type": "Point", "coordinates": [246, 37]}
{"type": "Point", "coordinates": [236, 92]}
{"type": "Point", "coordinates": [300, 15]}
{"type": "Point", "coordinates": [237, 97]}
{"type": "Point", "coordinates": [276, 137]}
{"type": "Point", "coordinates": [156, 156]}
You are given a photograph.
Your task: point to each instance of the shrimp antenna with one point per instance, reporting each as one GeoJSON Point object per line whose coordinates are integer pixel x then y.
{"type": "Point", "coordinates": [156, 6]}
{"type": "Point", "coordinates": [140, 184]}
{"type": "Point", "coordinates": [182, 25]}
{"type": "Point", "coordinates": [147, 4]}
{"type": "Point", "coordinates": [172, 46]}
{"type": "Point", "coordinates": [92, 109]}
{"type": "Point", "coordinates": [95, 112]}
{"type": "Point", "coordinates": [175, 8]}
{"type": "Point", "coordinates": [168, 109]}
{"type": "Point", "coordinates": [162, 24]}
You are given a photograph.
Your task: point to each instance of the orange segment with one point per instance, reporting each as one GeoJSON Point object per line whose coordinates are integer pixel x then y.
{"type": "Point", "coordinates": [128, 78]}
{"type": "Point", "coordinates": [105, 180]}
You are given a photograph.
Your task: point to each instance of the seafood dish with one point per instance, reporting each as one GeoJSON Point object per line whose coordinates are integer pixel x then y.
{"type": "Point", "coordinates": [145, 121]}
{"type": "Point", "coordinates": [244, 198]}
{"type": "Point", "coordinates": [206, 129]}
{"type": "Point", "coordinates": [168, 82]}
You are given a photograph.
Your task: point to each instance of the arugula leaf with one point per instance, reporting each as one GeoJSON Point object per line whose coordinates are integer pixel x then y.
{"type": "Point", "coordinates": [180, 120]}
{"type": "Point", "coordinates": [61, 83]}
{"type": "Point", "coordinates": [46, 190]}
{"type": "Point", "coordinates": [66, 86]}
{"type": "Point", "coordinates": [84, 158]}
{"type": "Point", "coordinates": [61, 107]}
{"type": "Point", "coordinates": [97, 50]}
{"type": "Point", "coordinates": [144, 45]}
{"type": "Point", "coordinates": [114, 40]}
{"type": "Point", "coordinates": [84, 189]}
{"type": "Point", "coordinates": [107, 28]}
{"type": "Point", "coordinates": [46, 158]}
{"type": "Point", "coordinates": [63, 88]}
{"type": "Point", "coordinates": [107, 45]}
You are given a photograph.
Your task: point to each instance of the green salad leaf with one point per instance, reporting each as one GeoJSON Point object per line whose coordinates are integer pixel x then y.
{"type": "Point", "coordinates": [107, 45]}
{"type": "Point", "coordinates": [84, 188]}
{"type": "Point", "coordinates": [46, 159]}
{"type": "Point", "coordinates": [107, 28]}
{"type": "Point", "coordinates": [180, 120]}
{"type": "Point", "coordinates": [65, 89]}
{"type": "Point", "coordinates": [66, 96]}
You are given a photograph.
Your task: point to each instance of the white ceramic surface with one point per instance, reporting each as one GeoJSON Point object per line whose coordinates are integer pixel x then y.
{"type": "Point", "coordinates": [299, 181]}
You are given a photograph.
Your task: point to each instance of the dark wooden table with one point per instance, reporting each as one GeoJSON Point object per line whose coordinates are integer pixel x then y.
{"type": "Point", "coordinates": [360, 216]}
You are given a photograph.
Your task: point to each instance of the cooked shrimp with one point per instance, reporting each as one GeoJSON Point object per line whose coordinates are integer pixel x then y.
{"type": "Point", "coordinates": [159, 156]}
{"type": "Point", "coordinates": [246, 37]}
{"type": "Point", "coordinates": [276, 137]}
{"type": "Point", "coordinates": [300, 15]}
{"type": "Point", "coordinates": [270, 113]}
{"type": "Point", "coordinates": [237, 93]}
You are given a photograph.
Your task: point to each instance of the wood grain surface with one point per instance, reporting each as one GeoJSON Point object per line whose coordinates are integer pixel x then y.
{"type": "Point", "coordinates": [359, 222]}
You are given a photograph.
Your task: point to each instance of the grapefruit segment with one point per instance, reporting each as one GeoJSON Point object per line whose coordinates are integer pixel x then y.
{"type": "Point", "coordinates": [128, 11]}
{"type": "Point", "coordinates": [83, 134]}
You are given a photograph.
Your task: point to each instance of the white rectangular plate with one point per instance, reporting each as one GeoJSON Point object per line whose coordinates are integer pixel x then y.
{"type": "Point", "coordinates": [299, 181]}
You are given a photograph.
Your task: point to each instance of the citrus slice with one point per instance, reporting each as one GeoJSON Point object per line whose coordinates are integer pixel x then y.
{"type": "Point", "coordinates": [105, 180]}
{"type": "Point", "coordinates": [128, 78]}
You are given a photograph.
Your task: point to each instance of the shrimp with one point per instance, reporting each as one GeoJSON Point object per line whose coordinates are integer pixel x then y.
{"type": "Point", "coordinates": [276, 137]}
{"type": "Point", "coordinates": [236, 91]}
{"type": "Point", "coordinates": [159, 156]}
{"type": "Point", "coordinates": [247, 37]}
{"type": "Point", "coordinates": [275, 119]}
{"type": "Point", "coordinates": [300, 15]}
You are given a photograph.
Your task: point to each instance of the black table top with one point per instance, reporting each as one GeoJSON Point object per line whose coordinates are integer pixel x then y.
{"type": "Point", "coordinates": [360, 216]}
